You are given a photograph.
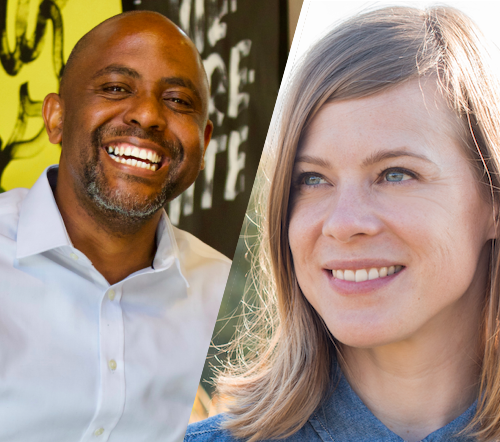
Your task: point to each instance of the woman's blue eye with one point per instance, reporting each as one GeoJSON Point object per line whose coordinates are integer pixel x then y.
{"type": "Point", "coordinates": [313, 180]}
{"type": "Point", "coordinates": [395, 176]}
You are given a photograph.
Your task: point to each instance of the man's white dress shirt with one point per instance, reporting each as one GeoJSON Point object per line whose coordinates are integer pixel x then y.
{"type": "Point", "coordinates": [82, 360]}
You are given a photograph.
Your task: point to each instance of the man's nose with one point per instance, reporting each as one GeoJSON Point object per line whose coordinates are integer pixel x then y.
{"type": "Point", "coordinates": [146, 111]}
{"type": "Point", "coordinates": [352, 214]}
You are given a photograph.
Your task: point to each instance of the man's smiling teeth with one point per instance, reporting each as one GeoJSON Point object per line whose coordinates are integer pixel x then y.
{"type": "Point", "coordinates": [116, 152]}
{"type": "Point", "coordinates": [365, 274]}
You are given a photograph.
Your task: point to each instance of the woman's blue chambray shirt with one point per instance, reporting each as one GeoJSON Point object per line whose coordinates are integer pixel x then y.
{"type": "Point", "coordinates": [342, 418]}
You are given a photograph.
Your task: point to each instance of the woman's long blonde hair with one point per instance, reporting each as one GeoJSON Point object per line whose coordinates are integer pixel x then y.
{"type": "Point", "coordinates": [286, 371]}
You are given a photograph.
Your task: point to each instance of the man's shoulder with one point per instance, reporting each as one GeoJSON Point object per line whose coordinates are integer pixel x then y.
{"type": "Point", "coordinates": [10, 204]}
{"type": "Point", "coordinates": [188, 244]}
{"type": "Point", "coordinates": [11, 200]}
{"type": "Point", "coordinates": [209, 430]}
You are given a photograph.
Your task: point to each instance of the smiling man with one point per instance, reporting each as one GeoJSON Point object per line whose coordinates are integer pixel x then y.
{"type": "Point", "coordinates": [107, 309]}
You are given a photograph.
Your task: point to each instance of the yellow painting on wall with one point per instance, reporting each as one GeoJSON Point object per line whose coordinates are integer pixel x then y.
{"type": "Point", "coordinates": [36, 39]}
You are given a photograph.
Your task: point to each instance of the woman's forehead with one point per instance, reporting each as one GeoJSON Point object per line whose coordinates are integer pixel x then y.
{"type": "Point", "coordinates": [412, 112]}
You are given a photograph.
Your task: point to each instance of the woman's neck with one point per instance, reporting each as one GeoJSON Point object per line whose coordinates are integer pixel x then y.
{"type": "Point", "coordinates": [418, 385]}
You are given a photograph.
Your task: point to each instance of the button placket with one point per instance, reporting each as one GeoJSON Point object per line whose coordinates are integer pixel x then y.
{"type": "Point", "coordinates": [111, 294]}
{"type": "Point", "coordinates": [112, 373]}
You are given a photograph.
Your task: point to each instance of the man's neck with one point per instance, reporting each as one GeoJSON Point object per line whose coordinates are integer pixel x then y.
{"type": "Point", "coordinates": [115, 250]}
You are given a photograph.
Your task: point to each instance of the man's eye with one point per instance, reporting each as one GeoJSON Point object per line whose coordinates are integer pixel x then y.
{"type": "Point", "coordinates": [115, 89]}
{"type": "Point", "coordinates": [179, 101]}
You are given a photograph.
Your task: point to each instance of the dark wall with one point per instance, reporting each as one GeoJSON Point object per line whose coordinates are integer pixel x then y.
{"type": "Point", "coordinates": [243, 44]}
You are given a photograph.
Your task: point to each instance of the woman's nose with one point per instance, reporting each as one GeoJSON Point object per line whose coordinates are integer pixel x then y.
{"type": "Point", "coordinates": [351, 214]}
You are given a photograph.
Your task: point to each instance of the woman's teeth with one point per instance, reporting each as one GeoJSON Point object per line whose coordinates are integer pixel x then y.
{"type": "Point", "coordinates": [116, 152]}
{"type": "Point", "coordinates": [365, 274]}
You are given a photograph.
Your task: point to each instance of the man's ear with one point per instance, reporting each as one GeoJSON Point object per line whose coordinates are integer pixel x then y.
{"type": "Point", "coordinates": [53, 117]}
{"type": "Point", "coordinates": [207, 137]}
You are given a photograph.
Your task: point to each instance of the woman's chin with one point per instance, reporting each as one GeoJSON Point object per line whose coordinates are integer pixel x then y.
{"type": "Point", "coordinates": [367, 336]}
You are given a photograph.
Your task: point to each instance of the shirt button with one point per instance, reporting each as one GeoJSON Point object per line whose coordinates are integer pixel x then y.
{"type": "Point", "coordinates": [98, 432]}
{"type": "Point", "coordinates": [111, 294]}
{"type": "Point", "coordinates": [112, 364]}
{"type": "Point", "coordinates": [74, 256]}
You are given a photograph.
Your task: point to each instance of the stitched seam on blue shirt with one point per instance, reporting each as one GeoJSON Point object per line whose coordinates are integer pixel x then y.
{"type": "Point", "coordinates": [202, 432]}
{"type": "Point", "coordinates": [317, 419]}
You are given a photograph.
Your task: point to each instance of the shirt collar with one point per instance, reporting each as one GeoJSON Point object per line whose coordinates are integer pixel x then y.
{"type": "Point", "coordinates": [167, 251]}
{"type": "Point", "coordinates": [346, 417]}
{"type": "Point", "coordinates": [42, 228]}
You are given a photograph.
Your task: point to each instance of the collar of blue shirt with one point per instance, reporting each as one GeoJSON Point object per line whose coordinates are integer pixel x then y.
{"type": "Point", "coordinates": [345, 417]}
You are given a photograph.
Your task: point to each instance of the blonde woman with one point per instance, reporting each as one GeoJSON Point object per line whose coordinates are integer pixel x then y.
{"type": "Point", "coordinates": [380, 238]}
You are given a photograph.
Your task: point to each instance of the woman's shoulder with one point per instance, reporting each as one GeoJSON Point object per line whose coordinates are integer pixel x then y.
{"type": "Point", "coordinates": [209, 430]}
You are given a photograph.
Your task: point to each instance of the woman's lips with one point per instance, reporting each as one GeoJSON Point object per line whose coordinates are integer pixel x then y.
{"type": "Point", "coordinates": [368, 274]}
{"type": "Point", "coordinates": [362, 280]}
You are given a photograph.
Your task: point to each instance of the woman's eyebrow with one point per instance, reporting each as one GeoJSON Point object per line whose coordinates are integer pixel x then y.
{"type": "Point", "coordinates": [376, 157]}
{"type": "Point", "coordinates": [313, 160]}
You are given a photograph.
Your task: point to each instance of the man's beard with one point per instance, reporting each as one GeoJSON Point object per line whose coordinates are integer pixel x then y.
{"type": "Point", "coordinates": [123, 205]}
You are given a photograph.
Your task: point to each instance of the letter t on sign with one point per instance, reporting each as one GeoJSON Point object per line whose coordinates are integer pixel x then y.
{"type": "Point", "coordinates": [216, 145]}
{"type": "Point", "coordinates": [236, 163]}
{"type": "Point", "coordinates": [237, 78]}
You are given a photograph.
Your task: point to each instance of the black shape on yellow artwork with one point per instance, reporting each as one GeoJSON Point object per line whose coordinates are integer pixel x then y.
{"type": "Point", "coordinates": [27, 48]}
{"type": "Point", "coordinates": [36, 37]}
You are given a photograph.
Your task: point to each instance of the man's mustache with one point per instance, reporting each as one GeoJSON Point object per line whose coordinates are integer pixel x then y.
{"type": "Point", "coordinates": [174, 148]}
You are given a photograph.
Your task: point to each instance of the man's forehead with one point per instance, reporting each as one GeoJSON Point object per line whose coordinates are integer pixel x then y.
{"type": "Point", "coordinates": [140, 20]}
{"type": "Point", "coordinates": [120, 31]}
{"type": "Point", "coordinates": [135, 37]}
{"type": "Point", "coordinates": [129, 28]}
{"type": "Point", "coordinates": [133, 51]}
